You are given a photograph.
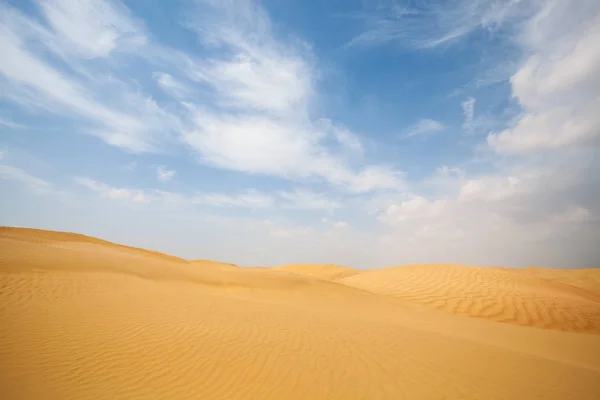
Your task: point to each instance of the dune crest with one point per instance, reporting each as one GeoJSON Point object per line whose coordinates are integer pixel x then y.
{"type": "Point", "coordinates": [82, 318]}
{"type": "Point", "coordinates": [323, 271]}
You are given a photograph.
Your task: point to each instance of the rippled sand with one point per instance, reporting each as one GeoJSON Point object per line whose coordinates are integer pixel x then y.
{"type": "Point", "coordinates": [81, 318]}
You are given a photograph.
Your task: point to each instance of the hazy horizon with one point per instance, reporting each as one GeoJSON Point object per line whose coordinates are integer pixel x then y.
{"type": "Point", "coordinates": [363, 134]}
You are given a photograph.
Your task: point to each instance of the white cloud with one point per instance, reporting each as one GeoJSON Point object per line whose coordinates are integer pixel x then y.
{"type": "Point", "coordinates": [244, 106]}
{"type": "Point", "coordinates": [576, 214]}
{"type": "Point", "coordinates": [263, 89]}
{"type": "Point", "coordinates": [172, 86]}
{"type": "Point", "coordinates": [136, 123]}
{"type": "Point", "coordinates": [92, 28]}
{"type": "Point", "coordinates": [92, 184]}
{"type": "Point", "coordinates": [262, 74]}
{"type": "Point", "coordinates": [335, 228]}
{"type": "Point", "coordinates": [558, 84]}
{"type": "Point", "coordinates": [445, 170]}
{"type": "Point", "coordinates": [262, 82]}
{"type": "Point", "coordinates": [286, 232]}
{"type": "Point", "coordinates": [468, 107]}
{"type": "Point", "coordinates": [342, 136]}
{"type": "Point", "coordinates": [9, 172]}
{"type": "Point", "coordinates": [248, 104]}
{"type": "Point", "coordinates": [424, 127]}
{"type": "Point", "coordinates": [10, 124]}
{"type": "Point", "coordinates": [340, 224]}
{"type": "Point", "coordinates": [433, 24]}
{"type": "Point", "coordinates": [540, 209]}
{"type": "Point", "coordinates": [164, 174]}
{"type": "Point", "coordinates": [252, 144]}
{"type": "Point", "coordinates": [376, 177]}
{"type": "Point", "coordinates": [303, 199]}
{"type": "Point", "coordinates": [415, 208]}
{"type": "Point", "coordinates": [335, 224]}
{"type": "Point", "coordinates": [494, 188]}
{"type": "Point", "coordinates": [251, 198]}
{"type": "Point", "coordinates": [497, 231]}
{"type": "Point", "coordinates": [115, 193]}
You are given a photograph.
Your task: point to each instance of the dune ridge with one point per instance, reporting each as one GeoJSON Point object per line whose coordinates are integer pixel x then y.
{"type": "Point", "coordinates": [323, 271]}
{"type": "Point", "coordinates": [81, 318]}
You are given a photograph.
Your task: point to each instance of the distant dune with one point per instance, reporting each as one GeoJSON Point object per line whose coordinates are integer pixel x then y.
{"type": "Point", "coordinates": [586, 278]}
{"type": "Point", "coordinates": [542, 300]}
{"type": "Point", "coordinates": [323, 271]}
{"type": "Point", "coordinates": [82, 318]}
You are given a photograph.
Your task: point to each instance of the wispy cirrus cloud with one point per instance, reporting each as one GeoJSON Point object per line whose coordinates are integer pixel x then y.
{"type": "Point", "coordinates": [16, 174]}
{"type": "Point", "coordinates": [91, 29]}
{"type": "Point", "coordinates": [280, 231]}
{"type": "Point", "coordinates": [429, 24]}
{"type": "Point", "coordinates": [32, 182]}
{"type": "Point", "coordinates": [114, 111]}
{"type": "Point", "coordinates": [118, 193]}
{"type": "Point", "coordinates": [244, 106]}
{"type": "Point", "coordinates": [250, 198]}
{"type": "Point", "coordinates": [423, 128]}
{"type": "Point", "coordinates": [468, 107]}
{"type": "Point", "coordinates": [246, 98]}
{"type": "Point", "coordinates": [543, 197]}
{"type": "Point", "coordinates": [247, 199]}
{"type": "Point", "coordinates": [299, 199]}
{"type": "Point", "coordinates": [556, 86]}
{"type": "Point", "coordinates": [263, 90]}
{"type": "Point", "coordinates": [173, 86]}
{"type": "Point", "coordinates": [304, 199]}
{"type": "Point", "coordinates": [10, 124]}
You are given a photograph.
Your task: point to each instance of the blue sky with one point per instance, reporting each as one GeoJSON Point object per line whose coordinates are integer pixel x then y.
{"type": "Point", "coordinates": [361, 133]}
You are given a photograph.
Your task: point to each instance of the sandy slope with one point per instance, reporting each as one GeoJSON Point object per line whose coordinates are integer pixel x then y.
{"type": "Point", "coordinates": [498, 294]}
{"type": "Point", "coordinates": [322, 271]}
{"type": "Point", "coordinates": [86, 319]}
{"type": "Point", "coordinates": [586, 278]}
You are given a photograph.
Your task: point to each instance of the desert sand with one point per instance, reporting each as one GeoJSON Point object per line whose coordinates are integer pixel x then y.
{"type": "Point", "coordinates": [82, 318]}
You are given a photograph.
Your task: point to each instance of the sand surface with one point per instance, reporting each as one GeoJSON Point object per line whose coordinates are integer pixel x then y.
{"type": "Point", "coordinates": [81, 318]}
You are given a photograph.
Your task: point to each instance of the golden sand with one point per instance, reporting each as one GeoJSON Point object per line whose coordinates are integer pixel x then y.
{"type": "Point", "coordinates": [323, 271]}
{"type": "Point", "coordinates": [82, 318]}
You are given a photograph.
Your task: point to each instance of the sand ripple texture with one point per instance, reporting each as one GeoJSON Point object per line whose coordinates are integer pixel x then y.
{"type": "Point", "coordinates": [81, 318]}
{"type": "Point", "coordinates": [527, 297]}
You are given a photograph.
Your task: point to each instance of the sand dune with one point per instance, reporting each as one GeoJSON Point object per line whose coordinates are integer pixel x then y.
{"type": "Point", "coordinates": [323, 271]}
{"type": "Point", "coordinates": [498, 294]}
{"type": "Point", "coordinates": [76, 240]}
{"type": "Point", "coordinates": [586, 278]}
{"type": "Point", "coordinates": [85, 319]}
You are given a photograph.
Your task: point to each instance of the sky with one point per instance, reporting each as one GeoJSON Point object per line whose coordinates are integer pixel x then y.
{"type": "Point", "coordinates": [361, 133]}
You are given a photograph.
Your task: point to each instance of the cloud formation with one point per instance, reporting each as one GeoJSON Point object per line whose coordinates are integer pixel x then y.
{"type": "Point", "coordinates": [559, 82]}
{"type": "Point", "coordinates": [263, 89]}
{"type": "Point", "coordinates": [468, 107]}
{"type": "Point", "coordinates": [424, 127]}
{"type": "Point", "coordinates": [32, 78]}
{"type": "Point", "coordinates": [243, 109]}
{"type": "Point", "coordinates": [431, 24]}
{"type": "Point", "coordinates": [298, 199]}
